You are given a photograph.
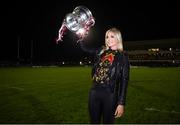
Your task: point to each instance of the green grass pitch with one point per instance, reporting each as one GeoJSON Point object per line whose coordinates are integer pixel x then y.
{"type": "Point", "coordinates": [60, 95]}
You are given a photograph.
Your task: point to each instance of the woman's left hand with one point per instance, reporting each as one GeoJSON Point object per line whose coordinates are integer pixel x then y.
{"type": "Point", "coordinates": [119, 111]}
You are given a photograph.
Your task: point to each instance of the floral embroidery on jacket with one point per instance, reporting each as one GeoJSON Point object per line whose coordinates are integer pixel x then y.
{"type": "Point", "coordinates": [102, 70]}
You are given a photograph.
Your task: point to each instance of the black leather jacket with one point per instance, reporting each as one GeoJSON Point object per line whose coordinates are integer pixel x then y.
{"type": "Point", "coordinates": [118, 73]}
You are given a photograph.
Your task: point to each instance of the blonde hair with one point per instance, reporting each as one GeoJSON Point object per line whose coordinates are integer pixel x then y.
{"type": "Point", "coordinates": [117, 34]}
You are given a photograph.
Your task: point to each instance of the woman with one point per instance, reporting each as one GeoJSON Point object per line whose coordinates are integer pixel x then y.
{"type": "Point", "coordinates": [110, 76]}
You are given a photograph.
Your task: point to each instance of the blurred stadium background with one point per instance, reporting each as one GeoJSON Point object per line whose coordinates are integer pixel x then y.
{"type": "Point", "coordinates": [162, 52]}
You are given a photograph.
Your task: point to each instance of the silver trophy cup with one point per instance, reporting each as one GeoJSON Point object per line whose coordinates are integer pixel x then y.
{"type": "Point", "coordinates": [79, 22]}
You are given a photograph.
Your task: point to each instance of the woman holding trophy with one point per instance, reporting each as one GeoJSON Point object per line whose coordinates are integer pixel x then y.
{"type": "Point", "coordinates": [110, 72]}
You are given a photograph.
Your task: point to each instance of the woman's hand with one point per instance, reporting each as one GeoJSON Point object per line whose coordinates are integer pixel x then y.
{"type": "Point", "coordinates": [119, 111]}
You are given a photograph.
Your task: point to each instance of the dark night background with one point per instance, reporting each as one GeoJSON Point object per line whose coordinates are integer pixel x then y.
{"type": "Point", "coordinates": [39, 21]}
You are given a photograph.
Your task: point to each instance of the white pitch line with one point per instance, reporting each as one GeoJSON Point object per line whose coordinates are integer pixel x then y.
{"type": "Point", "coordinates": [17, 88]}
{"type": "Point", "coordinates": [164, 111]}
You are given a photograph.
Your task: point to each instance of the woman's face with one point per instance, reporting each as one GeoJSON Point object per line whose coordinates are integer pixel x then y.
{"type": "Point", "coordinates": [111, 40]}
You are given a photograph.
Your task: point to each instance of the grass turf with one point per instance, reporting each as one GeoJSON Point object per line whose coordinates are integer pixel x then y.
{"type": "Point", "coordinates": [60, 95]}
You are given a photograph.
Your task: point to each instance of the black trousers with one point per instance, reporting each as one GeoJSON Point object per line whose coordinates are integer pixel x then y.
{"type": "Point", "coordinates": [101, 105]}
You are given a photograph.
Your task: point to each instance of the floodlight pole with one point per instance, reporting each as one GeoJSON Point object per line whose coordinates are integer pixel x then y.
{"type": "Point", "coordinates": [18, 56]}
{"type": "Point", "coordinates": [31, 52]}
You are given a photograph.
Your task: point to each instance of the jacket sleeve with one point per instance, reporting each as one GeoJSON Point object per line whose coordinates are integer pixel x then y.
{"type": "Point", "coordinates": [124, 79]}
{"type": "Point", "coordinates": [93, 50]}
